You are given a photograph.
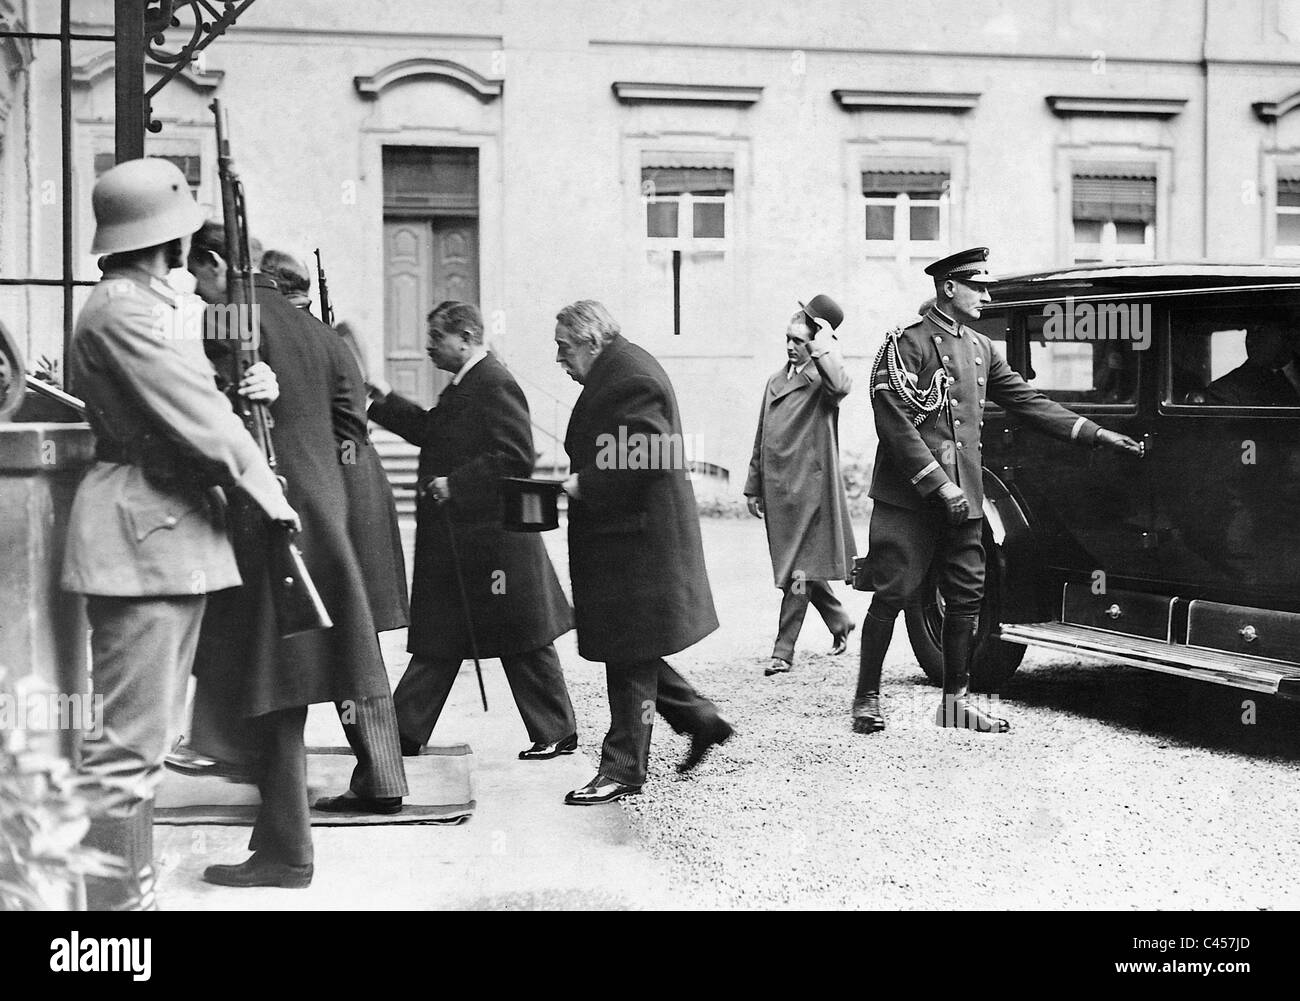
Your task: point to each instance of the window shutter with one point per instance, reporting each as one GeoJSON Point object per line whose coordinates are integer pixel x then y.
{"type": "Point", "coordinates": [916, 176]}
{"type": "Point", "coordinates": [1288, 184]}
{"type": "Point", "coordinates": [1115, 192]}
{"type": "Point", "coordinates": [687, 180]}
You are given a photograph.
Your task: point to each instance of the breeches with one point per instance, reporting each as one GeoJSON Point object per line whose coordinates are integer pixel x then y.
{"type": "Point", "coordinates": [904, 544]}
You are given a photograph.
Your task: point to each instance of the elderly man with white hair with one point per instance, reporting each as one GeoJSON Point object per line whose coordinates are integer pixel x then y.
{"type": "Point", "coordinates": [640, 588]}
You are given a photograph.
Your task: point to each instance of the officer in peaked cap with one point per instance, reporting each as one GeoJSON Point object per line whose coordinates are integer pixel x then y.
{"type": "Point", "coordinates": [930, 385]}
{"type": "Point", "coordinates": [146, 539]}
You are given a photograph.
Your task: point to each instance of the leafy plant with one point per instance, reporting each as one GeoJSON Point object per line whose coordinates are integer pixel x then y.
{"type": "Point", "coordinates": [44, 815]}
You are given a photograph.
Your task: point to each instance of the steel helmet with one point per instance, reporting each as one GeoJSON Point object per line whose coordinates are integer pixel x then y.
{"type": "Point", "coordinates": [142, 203]}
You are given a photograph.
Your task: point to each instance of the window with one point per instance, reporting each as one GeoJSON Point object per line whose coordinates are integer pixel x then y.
{"type": "Point", "coordinates": [434, 178]}
{"type": "Point", "coordinates": [190, 165]}
{"type": "Point", "coordinates": [1287, 241]}
{"type": "Point", "coordinates": [685, 203]}
{"type": "Point", "coordinates": [1114, 211]}
{"type": "Point", "coordinates": [1078, 365]}
{"type": "Point", "coordinates": [1234, 357]}
{"type": "Point", "coordinates": [905, 204]}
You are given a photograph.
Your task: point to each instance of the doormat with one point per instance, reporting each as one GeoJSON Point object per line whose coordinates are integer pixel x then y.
{"type": "Point", "coordinates": [440, 779]}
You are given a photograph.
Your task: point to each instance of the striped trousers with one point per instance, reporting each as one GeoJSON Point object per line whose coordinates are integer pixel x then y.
{"type": "Point", "coordinates": [636, 692]}
{"type": "Point", "coordinates": [370, 726]}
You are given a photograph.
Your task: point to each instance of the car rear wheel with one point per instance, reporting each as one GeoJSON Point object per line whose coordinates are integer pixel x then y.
{"type": "Point", "coordinates": [994, 661]}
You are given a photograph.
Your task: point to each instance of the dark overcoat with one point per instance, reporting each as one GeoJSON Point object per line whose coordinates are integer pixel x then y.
{"type": "Point", "coordinates": [479, 432]}
{"type": "Point", "coordinates": [372, 515]}
{"type": "Point", "coordinates": [240, 651]}
{"type": "Point", "coordinates": [640, 588]}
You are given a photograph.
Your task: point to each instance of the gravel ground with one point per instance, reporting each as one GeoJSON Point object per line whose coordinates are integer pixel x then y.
{"type": "Point", "coordinates": [1117, 788]}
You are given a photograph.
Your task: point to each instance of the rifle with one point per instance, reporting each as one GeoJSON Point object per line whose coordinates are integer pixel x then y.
{"type": "Point", "coordinates": [326, 310]}
{"type": "Point", "coordinates": [298, 605]}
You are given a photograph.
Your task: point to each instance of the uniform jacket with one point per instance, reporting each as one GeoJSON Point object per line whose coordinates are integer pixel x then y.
{"type": "Point", "coordinates": [315, 425]}
{"type": "Point", "coordinates": [640, 588]}
{"type": "Point", "coordinates": [372, 515]}
{"type": "Point", "coordinates": [479, 432]}
{"type": "Point", "coordinates": [795, 469]}
{"type": "Point", "coordinates": [913, 462]}
{"type": "Point", "coordinates": [151, 525]}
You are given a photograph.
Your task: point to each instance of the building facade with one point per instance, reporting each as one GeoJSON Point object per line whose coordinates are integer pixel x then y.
{"type": "Point", "coordinates": [698, 167]}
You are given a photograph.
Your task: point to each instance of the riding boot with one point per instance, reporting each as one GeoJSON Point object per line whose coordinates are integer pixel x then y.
{"type": "Point", "coordinates": [876, 634]}
{"type": "Point", "coordinates": [957, 709]}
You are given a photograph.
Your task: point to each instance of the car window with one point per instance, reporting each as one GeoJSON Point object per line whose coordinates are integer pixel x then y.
{"type": "Point", "coordinates": [1075, 361]}
{"type": "Point", "coordinates": [1238, 357]}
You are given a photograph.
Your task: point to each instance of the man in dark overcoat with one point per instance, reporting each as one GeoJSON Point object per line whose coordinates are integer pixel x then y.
{"type": "Point", "coordinates": [636, 562]}
{"type": "Point", "coordinates": [242, 662]}
{"type": "Point", "coordinates": [794, 480]}
{"type": "Point", "coordinates": [370, 725]}
{"type": "Point", "coordinates": [479, 432]}
{"type": "Point", "coordinates": [372, 515]}
{"type": "Point", "coordinates": [931, 384]}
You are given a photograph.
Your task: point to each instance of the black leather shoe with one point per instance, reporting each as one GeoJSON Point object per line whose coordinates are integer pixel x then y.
{"type": "Point", "coordinates": [347, 803]}
{"type": "Point", "coordinates": [540, 752]}
{"type": "Point", "coordinates": [703, 743]}
{"type": "Point", "coordinates": [601, 789]}
{"type": "Point", "coordinates": [259, 871]}
{"type": "Point", "coordinates": [187, 761]}
{"type": "Point", "coordinates": [842, 640]}
{"type": "Point", "coordinates": [778, 666]}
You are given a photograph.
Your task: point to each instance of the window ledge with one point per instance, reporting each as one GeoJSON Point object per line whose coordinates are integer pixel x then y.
{"type": "Point", "coordinates": [686, 93]}
{"type": "Point", "coordinates": [1133, 107]}
{"type": "Point", "coordinates": [905, 100]}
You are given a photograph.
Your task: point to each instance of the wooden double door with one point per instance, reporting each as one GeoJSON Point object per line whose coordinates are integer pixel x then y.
{"type": "Point", "coordinates": [426, 260]}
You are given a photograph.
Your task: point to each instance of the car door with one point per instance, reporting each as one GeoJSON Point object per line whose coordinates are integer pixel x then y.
{"type": "Point", "coordinates": [1226, 452]}
{"type": "Point", "coordinates": [1090, 508]}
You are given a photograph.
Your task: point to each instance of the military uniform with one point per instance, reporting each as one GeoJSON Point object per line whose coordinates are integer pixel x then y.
{"type": "Point", "coordinates": [146, 544]}
{"type": "Point", "coordinates": [930, 386]}
{"type": "Point", "coordinates": [913, 461]}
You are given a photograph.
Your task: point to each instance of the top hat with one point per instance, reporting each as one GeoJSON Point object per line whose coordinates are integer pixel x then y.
{"type": "Point", "coordinates": [823, 307]}
{"type": "Point", "coordinates": [530, 505]}
{"type": "Point", "coordinates": [964, 266]}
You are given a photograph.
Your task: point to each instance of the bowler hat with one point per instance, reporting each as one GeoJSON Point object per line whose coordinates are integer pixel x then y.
{"type": "Point", "coordinates": [823, 307]}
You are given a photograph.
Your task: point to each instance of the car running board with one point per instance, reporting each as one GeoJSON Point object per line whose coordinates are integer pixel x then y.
{"type": "Point", "coordinates": [1215, 666]}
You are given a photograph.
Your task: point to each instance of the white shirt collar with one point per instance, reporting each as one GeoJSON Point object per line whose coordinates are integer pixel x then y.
{"type": "Point", "coordinates": [791, 371]}
{"type": "Point", "coordinates": [479, 354]}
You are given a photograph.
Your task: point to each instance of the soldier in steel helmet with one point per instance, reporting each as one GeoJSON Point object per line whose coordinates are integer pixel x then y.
{"type": "Point", "coordinates": [146, 540]}
{"type": "Point", "coordinates": [930, 385]}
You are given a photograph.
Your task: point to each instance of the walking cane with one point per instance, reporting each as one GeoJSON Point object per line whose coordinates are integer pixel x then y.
{"type": "Point", "coordinates": [464, 602]}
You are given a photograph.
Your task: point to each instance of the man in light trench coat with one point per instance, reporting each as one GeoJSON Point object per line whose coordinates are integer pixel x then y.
{"type": "Point", "coordinates": [794, 478]}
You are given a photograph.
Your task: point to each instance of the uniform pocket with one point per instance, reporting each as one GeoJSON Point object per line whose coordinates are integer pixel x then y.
{"type": "Point", "coordinates": [163, 517]}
